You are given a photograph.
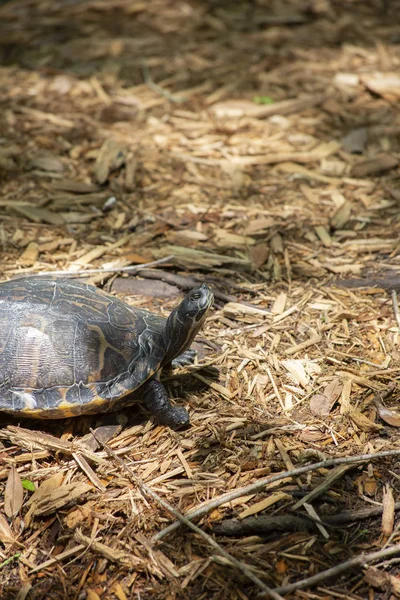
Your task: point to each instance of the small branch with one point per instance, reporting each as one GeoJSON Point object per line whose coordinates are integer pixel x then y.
{"type": "Point", "coordinates": [85, 272]}
{"type": "Point", "coordinates": [147, 78]}
{"type": "Point", "coordinates": [358, 561]}
{"type": "Point", "coordinates": [396, 307]}
{"type": "Point", "coordinates": [146, 490]}
{"type": "Point", "coordinates": [261, 483]}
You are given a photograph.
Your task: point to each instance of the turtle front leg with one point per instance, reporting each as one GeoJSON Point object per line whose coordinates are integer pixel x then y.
{"type": "Point", "coordinates": [186, 358]}
{"type": "Point", "coordinates": [156, 399]}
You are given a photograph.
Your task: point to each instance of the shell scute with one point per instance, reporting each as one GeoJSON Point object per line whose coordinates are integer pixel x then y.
{"type": "Point", "coordinates": [68, 348]}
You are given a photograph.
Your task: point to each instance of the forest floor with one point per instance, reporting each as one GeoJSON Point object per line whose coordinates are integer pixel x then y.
{"type": "Point", "coordinates": [254, 146]}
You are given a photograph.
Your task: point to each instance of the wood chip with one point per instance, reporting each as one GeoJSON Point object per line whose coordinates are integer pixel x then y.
{"type": "Point", "coordinates": [374, 166]}
{"type": "Point", "coordinates": [111, 157]}
{"type": "Point", "coordinates": [29, 255]}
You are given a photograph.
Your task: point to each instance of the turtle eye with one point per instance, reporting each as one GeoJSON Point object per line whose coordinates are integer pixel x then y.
{"type": "Point", "coordinates": [196, 296]}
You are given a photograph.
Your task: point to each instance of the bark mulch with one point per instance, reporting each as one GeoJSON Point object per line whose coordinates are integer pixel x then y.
{"type": "Point", "coordinates": [255, 146]}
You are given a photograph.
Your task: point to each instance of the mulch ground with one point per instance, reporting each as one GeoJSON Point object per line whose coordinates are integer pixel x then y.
{"type": "Point", "coordinates": [254, 146]}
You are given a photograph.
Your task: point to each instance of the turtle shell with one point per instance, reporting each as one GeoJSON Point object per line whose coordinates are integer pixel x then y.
{"type": "Point", "coordinates": [68, 348]}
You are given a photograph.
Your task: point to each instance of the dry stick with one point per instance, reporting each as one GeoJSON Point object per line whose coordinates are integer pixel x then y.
{"type": "Point", "coordinates": [147, 78]}
{"type": "Point", "coordinates": [145, 489]}
{"type": "Point", "coordinates": [261, 483]}
{"type": "Point", "coordinates": [396, 307]}
{"type": "Point", "coordinates": [83, 272]}
{"type": "Point", "coordinates": [358, 561]}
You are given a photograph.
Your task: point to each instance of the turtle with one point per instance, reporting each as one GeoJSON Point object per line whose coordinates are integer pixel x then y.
{"type": "Point", "coordinates": [69, 348]}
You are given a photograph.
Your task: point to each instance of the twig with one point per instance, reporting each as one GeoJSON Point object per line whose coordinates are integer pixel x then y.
{"type": "Point", "coordinates": [396, 307]}
{"type": "Point", "coordinates": [358, 561]}
{"type": "Point", "coordinates": [261, 483]}
{"type": "Point", "coordinates": [84, 272]}
{"type": "Point", "coordinates": [157, 88]}
{"type": "Point", "coordinates": [146, 490]}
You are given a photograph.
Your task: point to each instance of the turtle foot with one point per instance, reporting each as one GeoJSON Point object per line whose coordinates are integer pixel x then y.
{"type": "Point", "coordinates": [184, 359]}
{"type": "Point", "coordinates": [156, 399]}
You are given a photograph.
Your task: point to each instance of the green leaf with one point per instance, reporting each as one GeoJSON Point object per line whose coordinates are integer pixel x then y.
{"type": "Point", "coordinates": [263, 100]}
{"type": "Point", "coordinates": [28, 485]}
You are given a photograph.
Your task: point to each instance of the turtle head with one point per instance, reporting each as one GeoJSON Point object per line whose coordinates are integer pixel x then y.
{"type": "Point", "coordinates": [186, 320]}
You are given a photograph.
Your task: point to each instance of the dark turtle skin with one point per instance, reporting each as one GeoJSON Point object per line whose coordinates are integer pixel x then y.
{"type": "Point", "coordinates": [68, 348]}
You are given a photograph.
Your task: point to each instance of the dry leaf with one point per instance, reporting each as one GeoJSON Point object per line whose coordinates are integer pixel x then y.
{"type": "Point", "coordinates": [341, 216]}
{"type": "Point", "coordinates": [374, 166]}
{"type": "Point", "coordinates": [320, 405]}
{"type": "Point", "coordinates": [388, 512]}
{"type": "Point", "coordinates": [6, 535]}
{"type": "Point", "coordinates": [259, 254]}
{"type": "Point", "coordinates": [259, 225]}
{"type": "Point", "coordinates": [111, 157]}
{"type": "Point", "coordinates": [80, 514]}
{"type": "Point", "coordinates": [383, 84]}
{"type": "Point", "coordinates": [390, 417]}
{"type": "Point", "coordinates": [383, 581]}
{"type": "Point", "coordinates": [39, 214]}
{"type": "Point", "coordinates": [224, 238]}
{"type": "Point", "coordinates": [14, 493]}
{"type": "Point", "coordinates": [281, 566]}
{"type": "Point", "coordinates": [47, 162]}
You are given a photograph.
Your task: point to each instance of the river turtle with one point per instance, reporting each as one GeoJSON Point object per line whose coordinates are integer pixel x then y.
{"type": "Point", "coordinates": [68, 348]}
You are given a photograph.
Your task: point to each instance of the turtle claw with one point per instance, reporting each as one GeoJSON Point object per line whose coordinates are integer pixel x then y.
{"type": "Point", "coordinates": [184, 359]}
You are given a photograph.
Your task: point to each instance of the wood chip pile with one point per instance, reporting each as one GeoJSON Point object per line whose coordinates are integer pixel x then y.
{"type": "Point", "coordinates": [254, 146]}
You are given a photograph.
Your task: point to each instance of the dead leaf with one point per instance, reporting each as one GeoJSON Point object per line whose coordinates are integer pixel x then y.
{"type": "Point", "coordinates": [383, 84]}
{"type": "Point", "coordinates": [47, 162]}
{"type": "Point", "coordinates": [39, 215]}
{"type": "Point", "coordinates": [6, 535]}
{"type": "Point", "coordinates": [374, 166]}
{"type": "Point", "coordinates": [103, 434]}
{"type": "Point", "coordinates": [259, 225]}
{"type": "Point", "coordinates": [226, 239]}
{"type": "Point", "coordinates": [259, 255]}
{"type": "Point", "coordinates": [186, 237]}
{"type": "Point", "coordinates": [382, 580]}
{"type": "Point", "coordinates": [13, 494]}
{"type": "Point", "coordinates": [390, 417]}
{"type": "Point", "coordinates": [111, 157]}
{"type": "Point", "coordinates": [79, 515]}
{"type": "Point", "coordinates": [320, 405]}
{"type": "Point", "coordinates": [388, 512]}
{"type": "Point", "coordinates": [75, 187]}
{"type": "Point", "coordinates": [341, 216]}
